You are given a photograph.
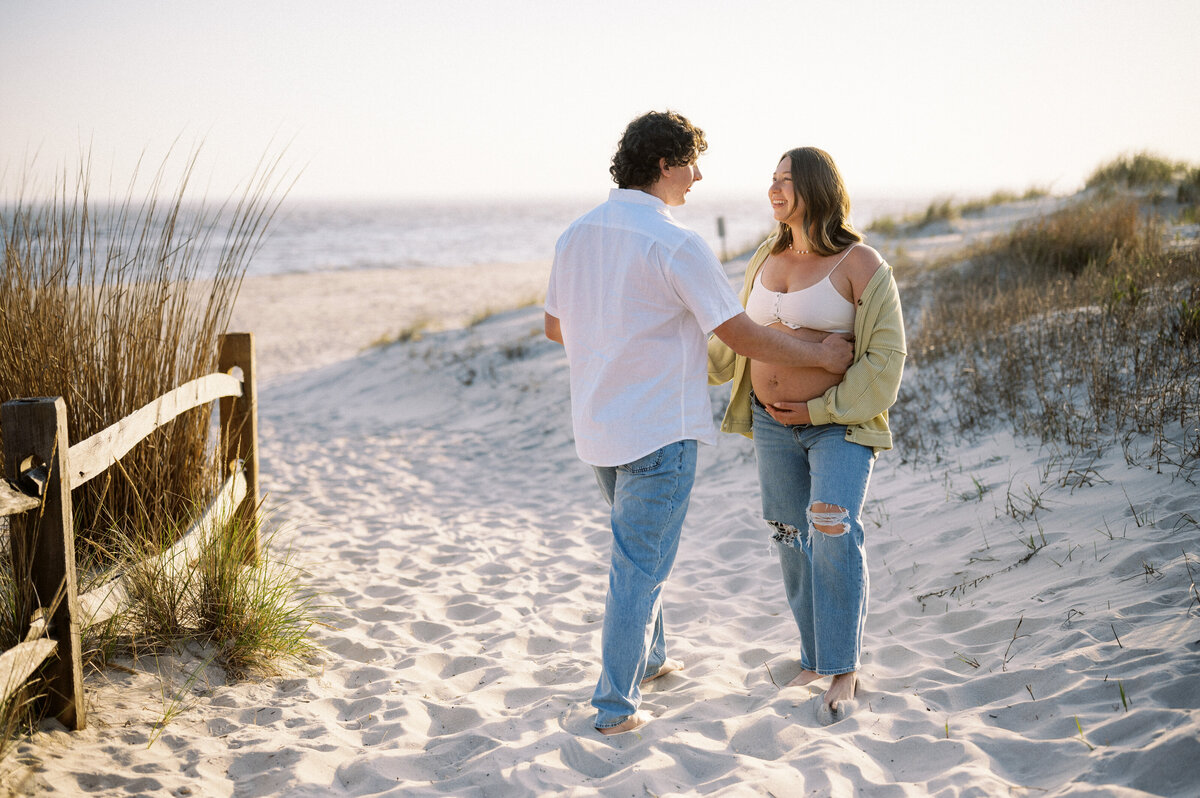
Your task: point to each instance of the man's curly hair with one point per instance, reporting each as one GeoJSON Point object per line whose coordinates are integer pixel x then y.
{"type": "Point", "coordinates": [648, 138]}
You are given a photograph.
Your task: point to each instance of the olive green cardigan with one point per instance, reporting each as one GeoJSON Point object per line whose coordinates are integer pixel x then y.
{"type": "Point", "coordinates": [861, 400]}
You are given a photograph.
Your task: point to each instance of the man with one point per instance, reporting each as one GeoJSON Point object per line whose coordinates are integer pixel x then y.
{"type": "Point", "coordinates": [633, 295]}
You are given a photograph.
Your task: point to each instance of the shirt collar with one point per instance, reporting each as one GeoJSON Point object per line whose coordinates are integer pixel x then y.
{"type": "Point", "coordinates": [637, 197]}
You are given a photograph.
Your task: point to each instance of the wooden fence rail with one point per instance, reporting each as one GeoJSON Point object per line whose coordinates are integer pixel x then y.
{"type": "Point", "coordinates": [42, 469]}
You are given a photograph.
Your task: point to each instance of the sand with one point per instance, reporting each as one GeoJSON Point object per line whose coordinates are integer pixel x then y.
{"type": "Point", "coordinates": [460, 551]}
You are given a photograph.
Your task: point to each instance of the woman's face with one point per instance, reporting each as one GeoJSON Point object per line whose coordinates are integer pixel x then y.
{"type": "Point", "coordinates": [786, 204]}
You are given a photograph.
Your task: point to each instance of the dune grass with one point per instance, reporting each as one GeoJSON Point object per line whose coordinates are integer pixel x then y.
{"type": "Point", "coordinates": [252, 618]}
{"type": "Point", "coordinates": [1137, 170]}
{"type": "Point", "coordinates": [946, 209]}
{"type": "Point", "coordinates": [1079, 328]}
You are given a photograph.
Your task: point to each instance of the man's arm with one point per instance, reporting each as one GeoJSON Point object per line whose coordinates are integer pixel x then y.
{"type": "Point", "coordinates": [834, 353]}
{"type": "Point", "coordinates": [553, 328]}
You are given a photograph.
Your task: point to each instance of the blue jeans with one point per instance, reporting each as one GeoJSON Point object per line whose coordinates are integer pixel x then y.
{"type": "Point", "coordinates": [649, 499]}
{"type": "Point", "coordinates": [824, 575]}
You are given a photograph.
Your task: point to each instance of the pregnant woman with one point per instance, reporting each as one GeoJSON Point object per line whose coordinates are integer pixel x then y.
{"type": "Point", "coordinates": [816, 434]}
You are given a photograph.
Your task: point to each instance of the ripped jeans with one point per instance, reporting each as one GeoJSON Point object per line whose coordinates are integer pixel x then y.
{"type": "Point", "coordinates": [824, 572]}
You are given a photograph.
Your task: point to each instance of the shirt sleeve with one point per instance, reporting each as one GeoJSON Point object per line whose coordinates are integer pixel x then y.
{"type": "Point", "coordinates": [551, 303]}
{"type": "Point", "coordinates": [702, 285]}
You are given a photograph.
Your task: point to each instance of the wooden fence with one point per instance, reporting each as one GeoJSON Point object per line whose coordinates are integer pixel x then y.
{"type": "Point", "coordinates": [42, 469]}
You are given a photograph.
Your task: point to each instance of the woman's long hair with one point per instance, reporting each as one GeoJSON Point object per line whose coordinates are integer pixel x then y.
{"type": "Point", "coordinates": [817, 183]}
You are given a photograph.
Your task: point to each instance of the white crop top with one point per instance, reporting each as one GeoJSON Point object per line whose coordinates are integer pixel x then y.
{"type": "Point", "coordinates": [818, 307]}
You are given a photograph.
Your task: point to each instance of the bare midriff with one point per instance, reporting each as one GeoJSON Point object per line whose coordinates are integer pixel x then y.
{"type": "Point", "coordinates": [773, 383]}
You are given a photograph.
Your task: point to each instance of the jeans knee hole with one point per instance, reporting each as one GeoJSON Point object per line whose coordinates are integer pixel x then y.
{"type": "Point", "coordinates": [831, 523]}
{"type": "Point", "coordinates": [785, 534]}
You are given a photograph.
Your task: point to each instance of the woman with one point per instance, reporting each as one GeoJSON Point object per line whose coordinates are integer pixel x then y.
{"type": "Point", "coordinates": [815, 433]}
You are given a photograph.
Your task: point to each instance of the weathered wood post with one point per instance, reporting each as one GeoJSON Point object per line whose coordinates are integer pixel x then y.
{"type": "Point", "coordinates": [239, 429]}
{"type": "Point", "coordinates": [43, 542]}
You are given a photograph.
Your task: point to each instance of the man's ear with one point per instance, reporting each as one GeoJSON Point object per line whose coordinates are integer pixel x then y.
{"type": "Point", "coordinates": [662, 167]}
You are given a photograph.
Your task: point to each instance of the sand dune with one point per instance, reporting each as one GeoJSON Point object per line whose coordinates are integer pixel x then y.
{"type": "Point", "coordinates": [432, 492]}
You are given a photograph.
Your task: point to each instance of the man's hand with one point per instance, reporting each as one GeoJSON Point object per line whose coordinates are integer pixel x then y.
{"type": "Point", "coordinates": [837, 354]}
{"type": "Point", "coordinates": [553, 328]}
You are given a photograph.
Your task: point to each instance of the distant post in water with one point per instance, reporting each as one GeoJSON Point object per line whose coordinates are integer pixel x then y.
{"type": "Point", "coordinates": [721, 235]}
{"type": "Point", "coordinates": [239, 430]}
{"type": "Point", "coordinates": [36, 449]}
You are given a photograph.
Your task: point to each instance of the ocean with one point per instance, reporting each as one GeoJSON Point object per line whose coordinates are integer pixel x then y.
{"type": "Point", "coordinates": [310, 235]}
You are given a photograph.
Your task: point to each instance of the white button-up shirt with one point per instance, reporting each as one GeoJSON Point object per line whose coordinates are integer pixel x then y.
{"type": "Point", "coordinates": [637, 294]}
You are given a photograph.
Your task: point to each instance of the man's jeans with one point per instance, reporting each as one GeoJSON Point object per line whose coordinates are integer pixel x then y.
{"type": "Point", "coordinates": [649, 499]}
{"type": "Point", "coordinates": [824, 575]}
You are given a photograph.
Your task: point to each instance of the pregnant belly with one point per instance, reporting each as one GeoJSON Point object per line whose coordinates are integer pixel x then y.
{"type": "Point", "coordinates": [784, 384]}
{"type": "Point", "coordinates": [773, 383]}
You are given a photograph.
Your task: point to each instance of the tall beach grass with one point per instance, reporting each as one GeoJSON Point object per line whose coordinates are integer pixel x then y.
{"type": "Point", "coordinates": [110, 304]}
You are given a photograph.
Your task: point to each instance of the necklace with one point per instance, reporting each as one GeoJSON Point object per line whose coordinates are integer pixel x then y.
{"type": "Point", "coordinates": [801, 251]}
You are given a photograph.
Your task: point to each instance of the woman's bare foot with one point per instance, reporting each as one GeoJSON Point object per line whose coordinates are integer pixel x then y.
{"type": "Point", "coordinates": [842, 688]}
{"type": "Point", "coordinates": [803, 678]}
{"type": "Point", "coordinates": [669, 666]}
{"type": "Point", "coordinates": [635, 721]}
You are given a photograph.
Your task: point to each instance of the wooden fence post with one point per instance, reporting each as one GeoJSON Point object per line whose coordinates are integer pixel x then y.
{"type": "Point", "coordinates": [239, 428]}
{"type": "Point", "coordinates": [43, 543]}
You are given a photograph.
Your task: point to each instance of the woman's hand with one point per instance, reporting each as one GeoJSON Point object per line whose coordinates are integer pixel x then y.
{"type": "Point", "coordinates": [790, 413]}
{"type": "Point", "coordinates": [838, 349]}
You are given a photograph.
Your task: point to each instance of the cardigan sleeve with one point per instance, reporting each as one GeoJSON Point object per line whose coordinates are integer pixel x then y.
{"type": "Point", "coordinates": [871, 385]}
{"type": "Point", "coordinates": [721, 360]}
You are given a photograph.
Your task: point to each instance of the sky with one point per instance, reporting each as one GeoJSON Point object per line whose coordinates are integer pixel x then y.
{"type": "Point", "coordinates": [485, 99]}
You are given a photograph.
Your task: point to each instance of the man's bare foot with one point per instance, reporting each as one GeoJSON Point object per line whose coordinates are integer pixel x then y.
{"type": "Point", "coordinates": [803, 678]}
{"type": "Point", "coordinates": [635, 721]}
{"type": "Point", "coordinates": [668, 666]}
{"type": "Point", "coordinates": [842, 688]}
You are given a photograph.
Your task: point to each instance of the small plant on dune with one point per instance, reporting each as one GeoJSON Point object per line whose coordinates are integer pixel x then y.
{"type": "Point", "coordinates": [977, 206]}
{"type": "Point", "coordinates": [1079, 726]}
{"type": "Point", "coordinates": [1182, 325]}
{"type": "Point", "coordinates": [252, 614]}
{"type": "Point", "coordinates": [255, 615]}
{"type": "Point", "coordinates": [480, 316]}
{"type": "Point", "coordinates": [884, 225]}
{"type": "Point", "coordinates": [943, 210]}
{"type": "Point", "coordinates": [411, 333]}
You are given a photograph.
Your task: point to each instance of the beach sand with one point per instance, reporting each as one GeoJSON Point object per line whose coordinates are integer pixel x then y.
{"type": "Point", "coordinates": [1034, 625]}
